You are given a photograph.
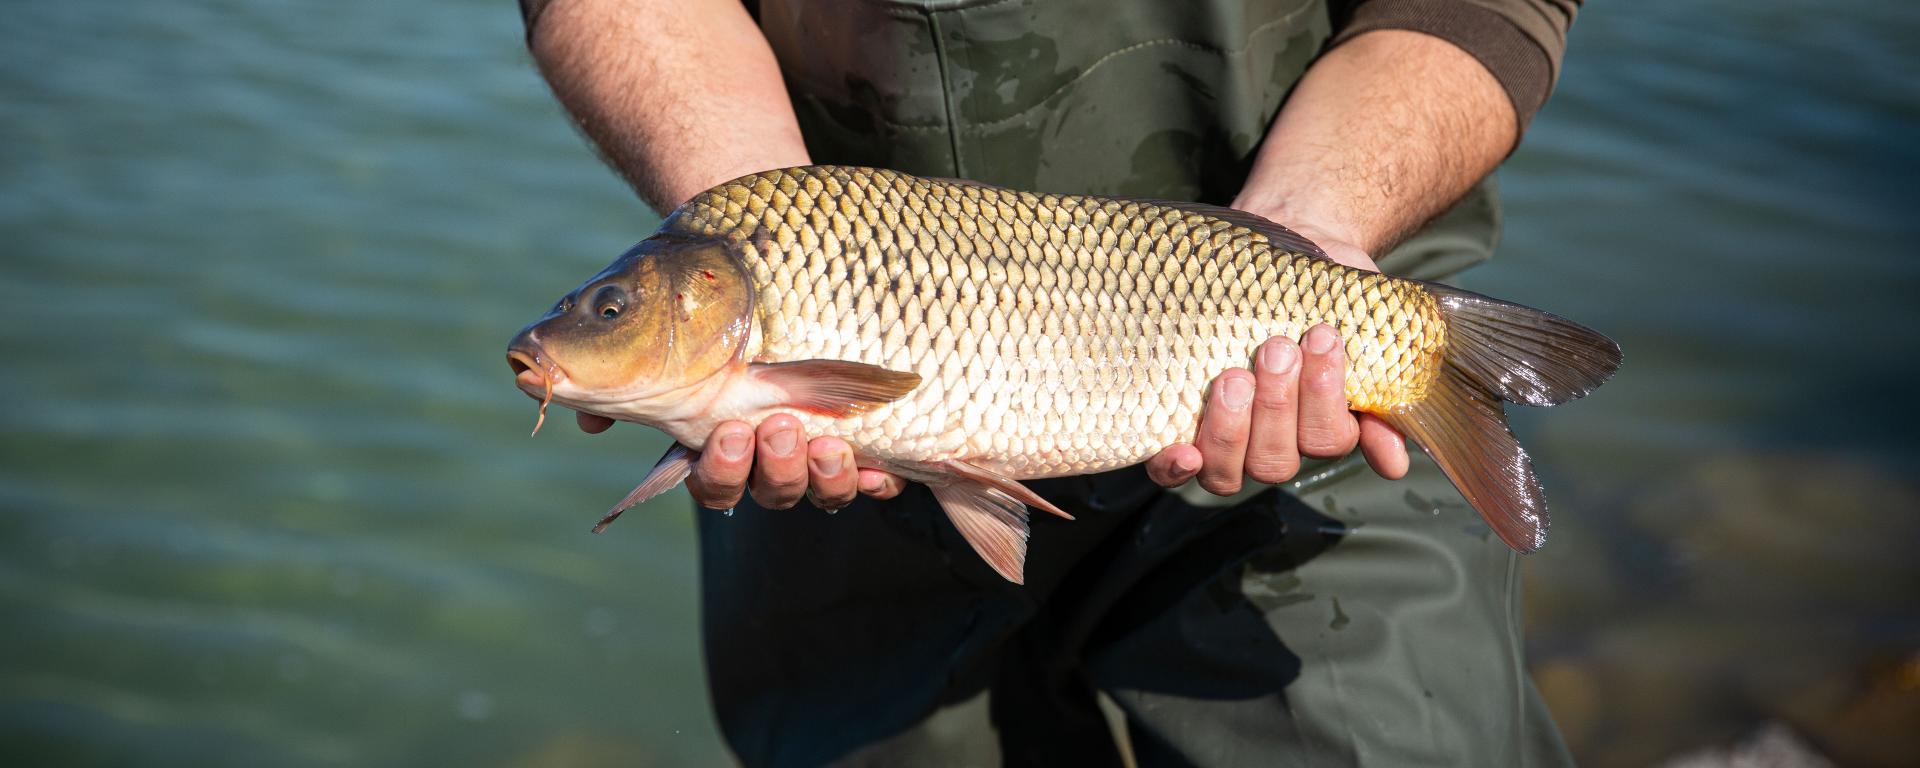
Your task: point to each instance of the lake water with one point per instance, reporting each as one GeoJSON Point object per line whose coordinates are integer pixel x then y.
{"type": "Point", "coordinates": [268, 497]}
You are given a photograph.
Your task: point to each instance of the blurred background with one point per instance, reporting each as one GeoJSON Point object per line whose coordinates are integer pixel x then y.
{"type": "Point", "coordinates": [267, 495]}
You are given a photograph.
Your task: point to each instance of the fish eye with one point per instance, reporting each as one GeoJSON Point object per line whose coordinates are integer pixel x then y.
{"type": "Point", "coordinates": [609, 301]}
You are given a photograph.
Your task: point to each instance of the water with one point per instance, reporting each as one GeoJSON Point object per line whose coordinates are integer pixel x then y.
{"type": "Point", "coordinates": [1730, 190]}
{"type": "Point", "coordinates": [269, 498]}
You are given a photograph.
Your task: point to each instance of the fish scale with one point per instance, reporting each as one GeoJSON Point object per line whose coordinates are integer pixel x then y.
{"type": "Point", "coordinates": [1056, 334]}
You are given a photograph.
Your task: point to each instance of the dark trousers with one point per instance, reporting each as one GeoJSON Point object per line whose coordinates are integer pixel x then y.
{"type": "Point", "coordinates": [1341, 620]}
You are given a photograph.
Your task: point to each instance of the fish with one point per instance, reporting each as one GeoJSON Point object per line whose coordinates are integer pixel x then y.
{"type": "Point", "coordinates": [969, 337]}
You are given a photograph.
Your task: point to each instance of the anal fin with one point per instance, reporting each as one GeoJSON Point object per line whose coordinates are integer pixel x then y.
{"type": "Point", "coordinates": [668, 472]}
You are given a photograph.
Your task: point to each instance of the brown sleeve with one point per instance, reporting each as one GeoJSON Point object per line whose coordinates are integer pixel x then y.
{"type": "Point", "coordinates": [1519, 41]}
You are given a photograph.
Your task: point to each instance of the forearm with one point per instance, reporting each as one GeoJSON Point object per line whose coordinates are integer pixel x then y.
{"type": "Point", "coordinates": [1383, 133]}
{"type": "Point", "coordinates": [678, 96]}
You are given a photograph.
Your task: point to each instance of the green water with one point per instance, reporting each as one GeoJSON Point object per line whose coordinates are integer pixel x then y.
{"type": "Point", "coordinates": [267, 498]}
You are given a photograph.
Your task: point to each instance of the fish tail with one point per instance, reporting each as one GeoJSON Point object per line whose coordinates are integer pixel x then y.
{"type": "Point", "coordinates": [1500, 352]}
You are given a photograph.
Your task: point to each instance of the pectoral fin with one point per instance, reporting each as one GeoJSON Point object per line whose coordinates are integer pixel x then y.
{"type": "Point", "coordinates": [989, 509]}
{"type": "Point", "coordinates": [670, 471]}
{"type": "Point", "coordinates": [835, 388]}
{"type": "Point", "coordinates": [1004, 484]}
{"type": "Point", "coordinates": [993, 522]}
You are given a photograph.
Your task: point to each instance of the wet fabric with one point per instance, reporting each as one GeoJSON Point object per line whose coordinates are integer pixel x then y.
{"type": "Point", "coordinates": [1341, 620]}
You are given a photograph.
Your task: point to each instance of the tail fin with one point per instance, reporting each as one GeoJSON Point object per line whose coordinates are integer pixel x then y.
{"type": "Point", "coordinates": [1499, 351]}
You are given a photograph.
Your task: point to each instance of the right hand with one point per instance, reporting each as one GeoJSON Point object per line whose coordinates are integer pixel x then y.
{"type": "Point", "coordinates": [1261, 424]}
{"type": "Point", "coordinates": [768, 461]}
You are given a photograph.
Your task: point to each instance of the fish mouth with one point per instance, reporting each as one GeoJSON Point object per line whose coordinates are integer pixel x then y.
{"type": "Point", "coordinates": [535, 375]}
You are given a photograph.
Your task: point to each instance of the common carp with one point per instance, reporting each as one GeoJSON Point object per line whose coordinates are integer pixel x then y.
{"type": "Point", "coordinates": [969, 337]}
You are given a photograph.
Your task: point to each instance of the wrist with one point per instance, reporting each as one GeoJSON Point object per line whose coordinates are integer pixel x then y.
{"type": "Point", "coordinates": [1316, 223]}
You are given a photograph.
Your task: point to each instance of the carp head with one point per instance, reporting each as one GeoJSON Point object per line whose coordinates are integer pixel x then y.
{"type": "Point", "coordinates": [642, 339]}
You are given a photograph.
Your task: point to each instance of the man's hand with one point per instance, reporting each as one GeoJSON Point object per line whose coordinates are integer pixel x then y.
{"type": "Point", "coordinates": [1384, 132]}
{"type": "Point", "coordinates": [1259, 424]}
{"type": "Point", "coordinates": [770, 462]}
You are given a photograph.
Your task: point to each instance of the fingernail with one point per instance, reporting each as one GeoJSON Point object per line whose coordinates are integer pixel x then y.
{"type": "Point", "coordinates": [828, 464]}
{"type": "Point", "coordinates": [781, 442]}
{"type": "Point", "coordinates": [1320, 340]}
{"type": "Point", "coordinates": [1185, 466]}
{"type": "Point", "coordinates": [1277, 357]}
{"type": "Point", "coordinates": [872, 483]}
{"type": "Point", "coordinates": [733, 445]}
{"type": "Point", "coordinates": [1236, 393]}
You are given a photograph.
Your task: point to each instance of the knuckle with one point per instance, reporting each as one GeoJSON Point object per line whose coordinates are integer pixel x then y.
{"type": "Point", "coordinates": [788, 487]}
{"type": "Point", "coordinates": [1223, 441]}
{"type": "Point", "coordinates": [1271, 470]}
{"type": "Point", "coordinates": [714, 469]}
{"type": "Point", "coordinates": [772, 498]}
{"type": "Point", "coordinates": [1325, 442]}
{"type": "Point", "coordinates": [780, 484]}
{"type": "Point", "coordinates": [1323, 378]}
{"type": "Point", "coordinates": [1275, 395]}
{"type": "Point", "coordinates": [1223, 434]}
{"type": "Point", "coordinates": [709, 485]}
{"type": "Point", "coordinates": [832, 500]}
{"type": "Point", "coordinates": [1161, 472]}
{"type": "Point", "coordinates": [1220, 486]}
{"type": "Point", "coordinates": [717, 498]}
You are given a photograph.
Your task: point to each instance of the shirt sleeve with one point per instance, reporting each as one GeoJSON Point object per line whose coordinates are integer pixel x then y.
{"type": "Point", "coordinates": [1519, 41]}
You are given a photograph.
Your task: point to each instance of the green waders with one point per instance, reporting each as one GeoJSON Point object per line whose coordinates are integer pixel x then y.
{"type": "Point", "coordinates": [1338, 620]}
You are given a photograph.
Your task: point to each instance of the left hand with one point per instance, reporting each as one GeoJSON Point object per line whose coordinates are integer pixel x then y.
{"type": "Point", "coordinates": [1259, 424]}
{"type": "Point", "coordinates": [823, 472]}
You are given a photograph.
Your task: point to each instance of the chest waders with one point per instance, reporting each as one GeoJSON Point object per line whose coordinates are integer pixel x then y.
{"type": "Point", "coordinates": [1338, 620]}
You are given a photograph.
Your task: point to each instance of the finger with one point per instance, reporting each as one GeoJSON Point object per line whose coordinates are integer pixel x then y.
{"type": "Point", "coordinates": [1174, 465]}
{"type": "Point", "coordinates": [1327, 428]}
{"type": "Point", "coordinates": [721, 473]}
{"type": "Point", "coordinates": [1222, 439]}
{"type": "Point", "coordinates": [881, 485]}
{"type": "Point", "coordinates": [1385, 449]}
{"type": "Point", "coordinates": [1273, 453]}
{"type": "Point", "coordinates": [592, 423]}
{"type": "Point", "coordinates": [779, 476]}
{"type": "Point", "coordinates": [832, 478]}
